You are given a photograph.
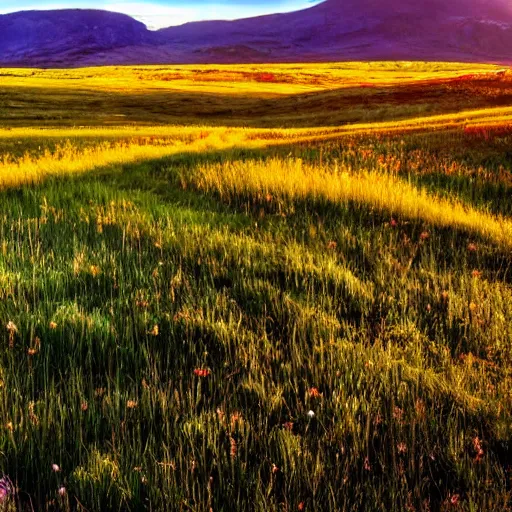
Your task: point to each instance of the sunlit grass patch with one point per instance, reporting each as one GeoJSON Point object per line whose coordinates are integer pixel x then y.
{"type": "Point", "coordinates": [287, 181]}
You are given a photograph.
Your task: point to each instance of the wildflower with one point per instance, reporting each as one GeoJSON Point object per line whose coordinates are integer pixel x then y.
{"type": "Point", "coordinates": [311, 414]}
{"type": "Point", "coordinates": [367, 466]}
{"type": "Point", "coordinates": [32, 351]}
{"type": "Point", "coordinates": [314, 393]}
{"type": "Point", "coordinates": [84, 406]}
{"type": "Point", "coordinates": [401, 447]}
{"type": "Point", "coordinates": [477, 445]}
{"type": "Point", "coordinates": [11, 327]}
{"type": "Point", "coordinates": [5, 488]}
{"type": "Point", "coordinates": [155, 331]}
{"type": "Point", "coordinates": [55, 468]}
{"type": "Point", "coordinates": [472, 247]}
{"type": "Point", "coordinates": [233, 448]}
{"type": "Point", "coordinates": [454, 500]}
{"type": "Point", "coordinates": [288, 426]}
{"type": "Point", "coordinates": [62, 491]}
{"type": "Point", "coordinates": [424, 236]}
{"type": "Point", "coordinates": [199, 372]}
{"type": "Point", "coordinates": [393, 223]}
{"type": "Point", "coordinates": [53, 326]}
{"type": "Point", "coordinates": [275, 469]}
{"type": "Point", "coordinates": [476, 274]}
{"type": "Point", "coordinates": [398, 414]}
{"type": "Point", "coordinates": [332, 245]}
{"type": "Point", "coordinates": [301, 506]}
{"type": "Point", "coordinates": [132, 404]}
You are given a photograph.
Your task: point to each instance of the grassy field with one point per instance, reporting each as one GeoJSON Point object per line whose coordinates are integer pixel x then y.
{"type": "Point", "coordinates": [239, 288]}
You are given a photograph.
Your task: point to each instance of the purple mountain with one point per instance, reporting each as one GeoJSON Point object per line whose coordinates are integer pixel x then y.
{"type": "Point", "coordinates": [67, 36]}
{"type": "Point", "coordinates": [466, 30]}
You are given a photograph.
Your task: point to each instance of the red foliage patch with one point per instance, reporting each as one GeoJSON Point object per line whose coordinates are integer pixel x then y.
{"type": "Point", "coordinates": [266, 77]}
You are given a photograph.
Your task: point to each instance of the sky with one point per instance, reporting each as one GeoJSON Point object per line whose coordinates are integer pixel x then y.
{"type": "Point", "coordinates": [164, 13]}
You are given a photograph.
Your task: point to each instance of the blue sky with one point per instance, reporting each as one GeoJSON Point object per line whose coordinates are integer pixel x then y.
{"type": "Point", "coordinates": [163, 13]}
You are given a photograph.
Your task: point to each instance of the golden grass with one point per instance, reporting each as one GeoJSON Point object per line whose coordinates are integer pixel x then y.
{"type": "Point", "coordinates": [292, 179]}
{"type": "Point", "coordinates": [68, 160]}
{"type": "Point", "coordinates": [258, 79]}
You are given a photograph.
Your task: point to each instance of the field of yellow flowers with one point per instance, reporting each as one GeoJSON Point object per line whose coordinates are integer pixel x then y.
{"type": "Point", "coordinates": [231, 310]}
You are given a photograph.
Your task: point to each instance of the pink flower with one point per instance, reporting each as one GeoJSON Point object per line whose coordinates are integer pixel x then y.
{"type": "Point", "coordinates": [454, 500]}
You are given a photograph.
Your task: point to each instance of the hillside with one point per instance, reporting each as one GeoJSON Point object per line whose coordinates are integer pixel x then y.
{"type": "Point", "coordinates": [66, 37]}
{"type": "Point", "coordinates": [463, 30]}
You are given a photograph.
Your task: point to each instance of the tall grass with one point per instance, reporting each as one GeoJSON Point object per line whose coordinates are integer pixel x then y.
{"type": "Point", "coordinates": [215, 318]}
{"type": "Point", "coordinates": [287, 181]}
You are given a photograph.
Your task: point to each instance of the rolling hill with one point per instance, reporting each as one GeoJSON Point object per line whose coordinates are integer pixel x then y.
{"type": "Point", "coordinates": [463, 30]}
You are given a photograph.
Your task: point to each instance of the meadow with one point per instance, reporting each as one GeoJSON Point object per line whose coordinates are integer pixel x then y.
{"type": "Point", "coordinates": [247, 288]}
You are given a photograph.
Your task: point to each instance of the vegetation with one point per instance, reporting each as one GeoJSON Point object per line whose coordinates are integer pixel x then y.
{"type": "Point", "coordinates": [313, 317]}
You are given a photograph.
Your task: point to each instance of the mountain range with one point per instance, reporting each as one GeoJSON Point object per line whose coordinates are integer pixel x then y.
{"type": "Point", "coordinates": [334, 30]}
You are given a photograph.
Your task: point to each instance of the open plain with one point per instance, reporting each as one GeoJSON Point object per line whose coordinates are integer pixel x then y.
{"type": "Point", "coordinates": [257, 287]}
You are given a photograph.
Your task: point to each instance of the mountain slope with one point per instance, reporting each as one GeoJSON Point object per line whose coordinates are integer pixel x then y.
{"type": "Point", "coordinates": [66, 36]}
{"type": "Point", "coordinates": [468, 30]}
{"type": "Point", "coordinates": [339, 29]}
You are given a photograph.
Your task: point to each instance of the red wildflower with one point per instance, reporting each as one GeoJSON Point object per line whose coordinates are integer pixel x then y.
{"type": "Point", "coordinates": [314, 393]}
{"type": "Point", "coordinates": [199, 372]}
{"type": "Point", "coordinates": [454, 500]}
{"type": "Point", "coordinates": [477, 445]}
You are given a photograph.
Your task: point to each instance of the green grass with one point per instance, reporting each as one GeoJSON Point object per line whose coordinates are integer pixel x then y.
{"type": "Point", "coordinates": [391, 324]}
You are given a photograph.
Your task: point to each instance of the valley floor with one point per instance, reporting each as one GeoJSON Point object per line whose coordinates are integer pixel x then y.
{"type": "Point", "coordinates": [229, 291]}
